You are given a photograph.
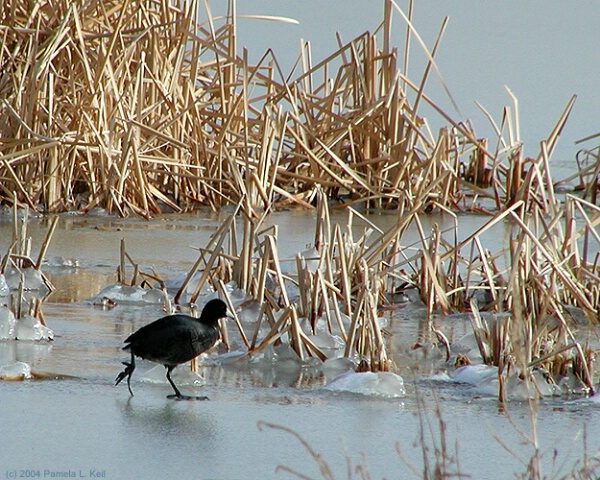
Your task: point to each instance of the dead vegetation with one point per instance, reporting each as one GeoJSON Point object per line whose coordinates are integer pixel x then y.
{"type": "Point", "coordinates": [23, 284]}
{"type": "Point", "coordinates": [141, 107]}
{"type": "Point", "coordinates": [532, 286]}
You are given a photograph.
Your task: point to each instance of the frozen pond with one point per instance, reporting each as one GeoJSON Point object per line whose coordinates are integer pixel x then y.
{"type": "Point", "coordinates": [70, 420]}
{"type": "Point", "coordinates": [86, 423]}
{"type": "Point", "coordinates": [77, 421]}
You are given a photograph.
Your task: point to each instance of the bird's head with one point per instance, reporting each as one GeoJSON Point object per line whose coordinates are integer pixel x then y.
{"type": "Point", "coordinates": [213, 311]}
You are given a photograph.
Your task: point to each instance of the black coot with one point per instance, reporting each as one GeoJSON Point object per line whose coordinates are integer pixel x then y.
{"type": "Point", "coordinates": [173, 340]}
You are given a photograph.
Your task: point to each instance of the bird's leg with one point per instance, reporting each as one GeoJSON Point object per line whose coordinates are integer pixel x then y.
{"type": "Point", "coordinates": [178, 395]}
{"type": "Point", "coordinates": [129, 368]}
{"type": "Point", "coordinates": [177, 392]}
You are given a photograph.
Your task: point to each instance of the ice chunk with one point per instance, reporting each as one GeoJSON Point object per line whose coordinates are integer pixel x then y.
{"type": "Point", "coordinates": [572, 384]}
{"type": "Point", "coordinates": [593, 399]}
{"type": "Point", "coordinates": [335, 366]}
{"type": "Point", "coordinates": [33, 279]}
{"type": "Point", "coordinates": [322, 325]}
{"type": "Point", "coordinates": [15, 371]}
{"type": "Point", "coordinates": [440, 377]}
{"type": "Point", "coordinates": [280, 359]}
{"type": "Point", "coordinates": [281, 354]}
{"type": "Point", "coordinates": [486, 382]}
{"type": "Point", "coordinates": [519, 389]}
{"type": "Point", "coordinates": [250, 313]}
{"type": "Point", "coordinates": [227, 358]}
{"type": "Point", "coordinates": [30, 328]}
{"type": "Point", "coordinates": [277, 366]}
{"type": "Point", "coordinates": [345, 320]}
{"type": "Point", "coordinates": [61, 262]}
{"type": "Point", "coordinates": [33, 352]}
{"type": "Point", "coordinates": [8, 352]}
{"type": "Point", "coordinates": [237, 295]}
{"type": "Point", "coordinates": [380, 384]}
{"type": "Point", "coordinates": [130, 295]}
{"type": "Point", "coordinates": [475, 374]}
{"type": "Point", "coordinates": [154, 296]}
{"type": "Point", "coordinates": [12, 277]}
{"type": "Point", "coordinates": [489, 386]}
{"type": "Point", "coordinates": [546, 388]}
{"type": "Point", "coordinates": [326, 341]}
{"type": "Point", "coordinates": [7, 324]}
{"type": "Point", "coordinates": [176, 282]}
{"type": "Point", "coordinates": [4, 289]}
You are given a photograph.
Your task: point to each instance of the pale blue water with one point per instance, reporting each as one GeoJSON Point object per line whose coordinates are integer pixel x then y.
{"type": "Point", "coordinates": [87, 424]}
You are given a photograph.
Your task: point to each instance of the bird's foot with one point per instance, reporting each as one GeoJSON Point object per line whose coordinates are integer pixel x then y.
{"type": "Point", "coordinates": [186, 397]}
{"type": "Point", "coordinates": [127, 372]}
{"type": "Point", "coordinates": [129, 368]}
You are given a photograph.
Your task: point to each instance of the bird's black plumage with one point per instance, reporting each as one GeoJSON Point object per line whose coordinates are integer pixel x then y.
{"type": "Point", "coordinates": [173, 340]}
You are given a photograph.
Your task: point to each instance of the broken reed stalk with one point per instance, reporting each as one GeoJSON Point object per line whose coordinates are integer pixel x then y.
{"type": "Point", "coordinates": [46, 243]}
{"type": "Point", "coordinates": [222, 289]}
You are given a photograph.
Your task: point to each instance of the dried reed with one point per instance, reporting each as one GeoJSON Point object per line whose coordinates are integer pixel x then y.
{"type": "Point", "coordinates": [141, 106]}
{"type": "Point", "coordinates": [18, 261]}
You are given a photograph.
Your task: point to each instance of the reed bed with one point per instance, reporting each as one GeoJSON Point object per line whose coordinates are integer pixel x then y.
{"type": "Point", "coordinates": [142, 106]}
{"type": "Point", "coordinates": [343, 280]}
{"type": "Point", "coordinates": [549, 265]}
